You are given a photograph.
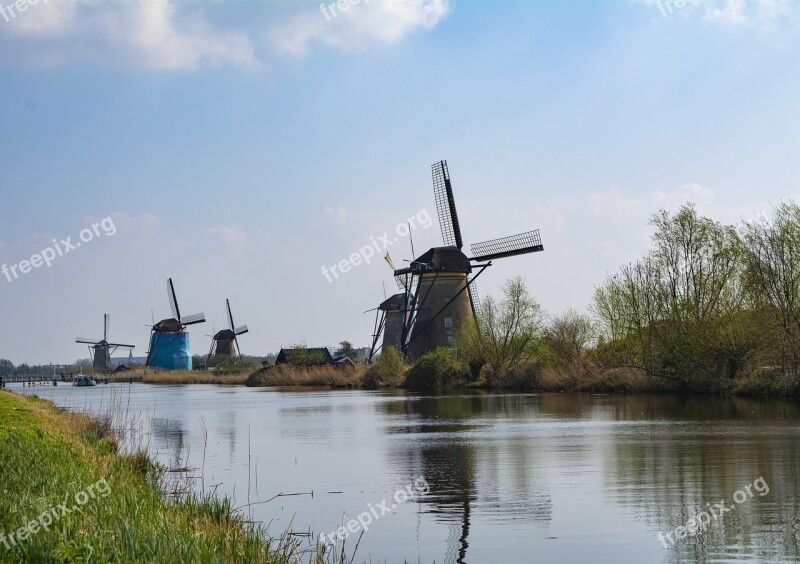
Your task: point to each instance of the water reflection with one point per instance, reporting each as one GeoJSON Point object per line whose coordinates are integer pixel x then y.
{"type": "Point", "coordinates": [169, 436]}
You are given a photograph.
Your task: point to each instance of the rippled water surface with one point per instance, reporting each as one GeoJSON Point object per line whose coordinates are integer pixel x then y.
{"type": "Point", "coordinates": [513, 478]}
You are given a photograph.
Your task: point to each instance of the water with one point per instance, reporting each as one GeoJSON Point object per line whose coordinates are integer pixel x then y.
{"type": "Point", "coordinates": [513, 478]}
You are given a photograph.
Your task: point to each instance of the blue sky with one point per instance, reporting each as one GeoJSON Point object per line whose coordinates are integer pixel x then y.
{"type": "Point", "coordinates": [241, 146]}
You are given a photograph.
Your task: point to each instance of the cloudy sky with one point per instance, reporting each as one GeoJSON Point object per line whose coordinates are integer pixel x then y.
{"type": "Point", "coordinates": [239, 147]}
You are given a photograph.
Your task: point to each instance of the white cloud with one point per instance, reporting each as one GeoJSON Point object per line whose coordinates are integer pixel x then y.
{"type": "Point", "coordinates": [758, 14]}
{"type": "Point", "coordinates": [231, 238]}
{"type": "Point", "coordinates": [364, 23]}
{"type": "Point", "coordinates": [166, 35]}
{"type": "Point", "coordinates": [761, 14]}
{"type": "Point", "coordinates": [150, 34]}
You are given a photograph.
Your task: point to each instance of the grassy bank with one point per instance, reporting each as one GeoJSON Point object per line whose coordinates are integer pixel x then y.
{"type": "Point", "coordinates": [193, 377]}
{"type": "Point", "coordinates": [52, 461]}
{"type": "Point", "coordinates": [287, 375]}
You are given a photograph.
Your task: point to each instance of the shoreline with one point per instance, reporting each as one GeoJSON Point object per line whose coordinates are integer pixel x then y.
{"type": "Point", "coordinates": [543, 379]}
{"type": "Point", "coordinates": [68, 494]}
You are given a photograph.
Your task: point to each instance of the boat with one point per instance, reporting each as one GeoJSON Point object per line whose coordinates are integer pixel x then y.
{"type": "Point", "coordinates": [84, 381]}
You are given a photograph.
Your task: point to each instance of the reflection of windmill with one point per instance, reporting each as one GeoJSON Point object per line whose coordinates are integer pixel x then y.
{"type": "Point", "coordinates": [444, 292]}
{"type": "Point", "coordinates": [101, 349]}
{"type": "Point", "coordinates": [169, 341]}
{"type": "Point", "coordinates": [225, 343]}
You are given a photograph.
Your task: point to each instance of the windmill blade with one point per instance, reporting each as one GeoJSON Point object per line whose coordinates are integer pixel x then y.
{"type": "Point", "coordinates": [230, 316]}
{"type": "Point", "coordinates": [238, 350]}
{"type": "Point", "coordinates": [86, 341]}
{"type": "Point", "coordinates": [474, 297]}
{"type": "Point", "coordinates": [106, 326]}
{"type": "Point", "coordinates": [524, 243]}
{"type": "Point", "coordinates": [192, 319]}
{"type": "Point", "coordinates": [121, 345]}
{"type": "Point", "coordinates": [241, 330]}
{"type": "Point", "coordinates": [388, 258]}
{"type": "Point", "coordinates": [446, 205]}
{"type": "Point", "coordinates": [173, 300]}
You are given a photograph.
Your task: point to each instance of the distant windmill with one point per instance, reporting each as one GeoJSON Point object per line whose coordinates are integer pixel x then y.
{"type": "Point", "coordinates": [391, 317]}
{"type": "Point", "coordinates": [226, 343]}
{"type": "Point", "coordinates": [445, 293]}
{"type": "Point", "coordinates": [169, 341]}
{"type": "Point", "coordinates": [101, 349]}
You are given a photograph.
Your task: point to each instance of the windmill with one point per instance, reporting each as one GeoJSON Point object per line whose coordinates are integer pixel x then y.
{"type": "Point", "coordinates": [443, 278]}
{"type": "Point", "coordinates": [169, 341]}
{"type": "Point", "coordinates": [391, 317]}
{"type": "Point", "coordinates": [101, 349]}
{"type": "Point", "coordinates": [225, 343]}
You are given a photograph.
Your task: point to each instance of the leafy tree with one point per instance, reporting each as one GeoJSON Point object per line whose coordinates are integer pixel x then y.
{"type": "Point", "coordinates": [507, 332]}
{"type": "Point", "coordinates": [6, 366]}
{"type": "Point", "coordinates": [674, 311]}
{"type": "Point", "coordinates": [346, 349]}
{"type": "Point", "coordinates": [571, 336]}
{"type": "Point", "coordinates": [301, 355]}
{"type": "Point", "coordinates": [772, 259]}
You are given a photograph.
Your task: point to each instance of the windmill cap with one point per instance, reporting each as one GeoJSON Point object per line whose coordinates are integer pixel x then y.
{"type": "Point", "coordinates": [396, 302]}
{"type": "Point", "coordinates": [225, 335]}
{"type": "Point", "coordinates": [447, 259]}
{"type": "Point", "coordinates": [171, 325]}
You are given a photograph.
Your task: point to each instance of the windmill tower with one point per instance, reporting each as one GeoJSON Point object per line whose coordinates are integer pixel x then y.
{"type": "Point", "coordinates": [101, 350]}
{"type": "Point", "coordinates": [444, 277]}
{"type": "Point", "coordinates": [169, 341]}
{"type": "Point", "coordinates": [391, 318]}
{"type": "Point", "coordinates": [225, 343]}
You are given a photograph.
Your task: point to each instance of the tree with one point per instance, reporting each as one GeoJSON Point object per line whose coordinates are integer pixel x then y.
{"type": "Point", "coordinates": [772, 259]}
{"type": "Point", "coordinates": [671, 313]}
{"type": "Point", "coordinates": [507, 332]}
{"type": "Point", "coordinates": [346, 349]}
{"type": "Point", "coordinates": [6, 366]}
{"type": "Point", "coordinates": [570, 336]}
{"type": "Point", "coordinates": [301, 355]}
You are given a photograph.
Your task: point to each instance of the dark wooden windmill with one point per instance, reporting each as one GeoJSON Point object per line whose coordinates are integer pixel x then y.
{"type": "Point", "coordinates": [225, 343]}
{"type": "Point", "coordinates": [443, 278]}
{"type": "Point", "coordinates": [101, 350]}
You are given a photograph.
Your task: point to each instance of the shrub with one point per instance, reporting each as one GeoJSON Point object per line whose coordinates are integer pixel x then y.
{"type": "Point", "coordinates": [387, 372]}
{"type": "Point", "coordinates": [438, 370]}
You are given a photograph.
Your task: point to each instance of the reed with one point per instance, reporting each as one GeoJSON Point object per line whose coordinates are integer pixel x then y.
{"type": "Point", "coordinates": [325, 376]}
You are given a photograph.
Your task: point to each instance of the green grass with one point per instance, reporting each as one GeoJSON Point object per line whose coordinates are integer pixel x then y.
{"type": "Point", "coordinates": [47, 456]}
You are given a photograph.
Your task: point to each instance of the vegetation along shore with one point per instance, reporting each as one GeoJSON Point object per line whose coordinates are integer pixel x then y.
{"type": "Point", "coordinates": [68, 496]}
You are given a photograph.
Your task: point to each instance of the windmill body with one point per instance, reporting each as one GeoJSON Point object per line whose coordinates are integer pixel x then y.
{"type": "Point", "coordinates": [440, 288]}
{"type": "Point", "coordinates": [102, 349]}
{"type": "Point", "coordinates": [395, 318]}
{"type": "Point", "coordinates": [445, 294]}
{"type": "Point", "coordinates": [169, 340]}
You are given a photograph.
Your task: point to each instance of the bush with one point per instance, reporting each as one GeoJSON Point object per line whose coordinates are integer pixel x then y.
{"type": "Point", "coordinates": [438, 370]}
{"type": "Point", "coordinates": [387, 372]}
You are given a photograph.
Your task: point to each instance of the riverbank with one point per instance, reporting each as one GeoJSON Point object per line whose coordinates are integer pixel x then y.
{"type": "Point", "coordinates": [449, 374]}
{"type": "Point", "coordinates": [68, 496]}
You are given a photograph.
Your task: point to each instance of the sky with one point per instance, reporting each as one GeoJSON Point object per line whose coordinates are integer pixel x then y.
{"type": "Point", "coordinates": [240, 147]}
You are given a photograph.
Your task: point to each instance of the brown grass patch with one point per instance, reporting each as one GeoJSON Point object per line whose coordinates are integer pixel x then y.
{"type": "Point", "coordinates": [287, 375]}
{"type": "Point", "coordinates": [193, 377]}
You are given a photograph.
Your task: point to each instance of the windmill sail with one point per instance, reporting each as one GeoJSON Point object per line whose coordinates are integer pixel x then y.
{"type": "Point", "coordinates": [524, 243]}
{"type": "Point", "coordinates": [173, 300]}
{"type": "Point", "coordinates": [446, 205]}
